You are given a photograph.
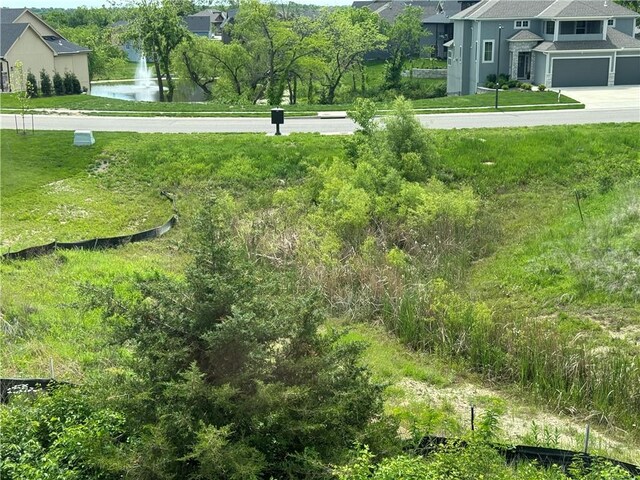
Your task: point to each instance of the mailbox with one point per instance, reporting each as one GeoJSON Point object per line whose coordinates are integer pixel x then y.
{"type": "Point", "coordinates": [277, 118]}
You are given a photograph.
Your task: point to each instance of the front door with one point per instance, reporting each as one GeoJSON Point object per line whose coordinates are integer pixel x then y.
{"type": "Point", "coordinates": [524, 65]}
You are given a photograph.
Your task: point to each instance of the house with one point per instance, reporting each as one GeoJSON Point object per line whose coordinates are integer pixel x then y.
{"type": "Point", "coordinates": [215, 19]}
{"type": "Point", "coordinates": [436, 18]}
{"type": "Point", "coordinates": [128, 46]}
{"type": "Point", "coordinates": [27, 38]}
{"type": "Point", "coordinates": [558, 43]}
{"type": "Point", "coordinates": [199, 25]}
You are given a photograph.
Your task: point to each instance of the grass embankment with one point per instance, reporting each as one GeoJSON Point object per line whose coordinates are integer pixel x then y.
{"type": "Point", "coordinates": [110, 106]}
{"type": "Point", "coordinates": [555, 298]}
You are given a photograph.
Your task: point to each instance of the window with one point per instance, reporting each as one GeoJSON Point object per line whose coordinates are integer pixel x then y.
{"type": "Point", "coordinates": [450, 55]}
{"type": "Point", "coordinates": [521, 24]}
{"type": "Point", "coordinates": [611, 22]}
{"type": "Point", "coordinates": [567, 28]}
{"type": "Point", "coordinates": [550, 28]}
{"type": "Point", "coordinates": [487, 51]}
{"type": "Point", "coordinates": [581, 27]}
{"type": "Point", "coordinates": [594, 26]}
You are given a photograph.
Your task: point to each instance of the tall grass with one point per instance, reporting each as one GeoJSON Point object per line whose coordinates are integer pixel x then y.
{"type": "Point", "coordinates": [565, 369]}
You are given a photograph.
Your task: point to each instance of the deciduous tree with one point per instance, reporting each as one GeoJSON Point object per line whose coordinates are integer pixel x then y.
{"type": "Point", "coordinates": [347, 35]}
{"type": "Point", "coordinates": [275, 45]}
{"type": "Point", "coordinates": [405, 36]}
{"type": "Point", "coordinates": [159, 29]}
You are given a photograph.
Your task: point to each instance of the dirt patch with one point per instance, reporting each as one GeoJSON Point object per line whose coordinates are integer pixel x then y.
{"type": "Point", "coordinates": [61, 186]}
{"type": "Point", "coordinates": [66, 213]}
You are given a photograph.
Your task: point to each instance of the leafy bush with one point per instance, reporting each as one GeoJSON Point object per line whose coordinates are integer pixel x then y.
{"type": "Point", "coordinates": [61, 435]}
{"type": "Point", "coordinates": [58, 84]}
{"type": "Point", "coordinates": [525, 86]}
{"type": "Point", "coordinates": [505, 86]}
{"type": "Point", "coordinates": [68, 82]}
{"type": "Point", "coordinates": [45, 83]}
{"type": "Point", "coordinates": [418, 88]}
{"type": "Point", "coordinates": [490, 85]}
{"type": "Point", "coordinates": [32, 85]}
{"type": "Point", "coordinates": [404, 134]}
{"type": "Point", "coordinates": [542, 87]}
{"type": "Point", "coordinates": [363, 113]}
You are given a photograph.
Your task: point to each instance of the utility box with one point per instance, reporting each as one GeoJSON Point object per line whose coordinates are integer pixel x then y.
{"type": "Point", "coordinates": [83, 138]}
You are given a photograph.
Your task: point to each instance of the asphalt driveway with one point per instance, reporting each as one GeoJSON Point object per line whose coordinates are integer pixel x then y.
{"type": "Point", "coordinates": [618, 97]}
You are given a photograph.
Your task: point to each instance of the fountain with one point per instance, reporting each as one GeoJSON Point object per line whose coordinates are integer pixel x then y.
{"type": "Point", "coordinates": [143, 88]}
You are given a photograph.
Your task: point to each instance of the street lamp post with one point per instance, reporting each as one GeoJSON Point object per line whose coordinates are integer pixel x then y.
{"type": "Point", "coordinates": [498, 64]}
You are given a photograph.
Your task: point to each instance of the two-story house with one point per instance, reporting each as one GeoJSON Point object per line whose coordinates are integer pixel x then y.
{"type": "Point", "coordinates": [435, 18]}
{"type": "Point", "coordinates": [25, 37]}
{"type": "Point", "coordinates": [558, 43]}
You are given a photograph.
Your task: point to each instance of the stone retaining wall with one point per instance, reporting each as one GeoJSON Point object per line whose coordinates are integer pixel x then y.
{"type": "Point", "coordinates": [427, 73]}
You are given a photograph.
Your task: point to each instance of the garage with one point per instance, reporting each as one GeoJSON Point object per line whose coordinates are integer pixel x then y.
{"type": "Point", "coordinates": [627, 71]}
{"type": "Point", "coordinates": [580, 72]}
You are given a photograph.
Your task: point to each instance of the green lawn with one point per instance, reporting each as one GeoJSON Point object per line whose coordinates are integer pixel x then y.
{"type": "Point", "coordinates": [9, 103]}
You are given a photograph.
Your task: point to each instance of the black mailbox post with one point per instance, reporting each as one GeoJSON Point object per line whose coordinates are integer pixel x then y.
{"type": "Point", "coordinates": [277, 118]}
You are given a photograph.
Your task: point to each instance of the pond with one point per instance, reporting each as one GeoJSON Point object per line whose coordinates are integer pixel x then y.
{"type": "Point", "coordinates": [144, 88]}
{"type": "Point", "coordinates": [132, 90]}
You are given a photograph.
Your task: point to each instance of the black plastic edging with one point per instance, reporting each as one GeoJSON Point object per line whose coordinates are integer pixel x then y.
{"type": "Point", "coordinates": [97, 243]}
{"type": "Point", "coordinates": [543, 455]}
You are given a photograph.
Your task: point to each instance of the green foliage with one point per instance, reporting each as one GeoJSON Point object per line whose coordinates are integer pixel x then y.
{"type": "Point", "coordinates": [68, 82]}
{"type": "Point", "coordinates": [62, 435]}
{"type": "Point", "coordinates": [346, 36]}
{"type": "Point", "coordinates": [32, 85]}
{"type": "Point", "coordinates": [237, 368]}
{"type": "Point", "coordinates": [275, 47]}
{"type": "Point", "coordinates": [363, 113]}
{"type": "Point", "coordinates": [193, 61]}
{"type": "Point", "coordinates": [542, 87]}
{"type": "Point", "coordinates": [99, 40]}
{"type": "Point", "coordinates": [45, 83]}
{"type": "Point", "coordinates": [58, 84]}
{"type": "Point", "coordinates": [408, 143]}
{"type": "Point", "coordinates": [405, 35]}
{"type": "Point", "coordinates": [157, 26]}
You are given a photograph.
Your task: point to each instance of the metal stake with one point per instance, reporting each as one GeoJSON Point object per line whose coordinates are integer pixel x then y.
{"type": "Point", "coordinates": [586, 439]}
{"type": "Point", "coordinates": [498, 64]}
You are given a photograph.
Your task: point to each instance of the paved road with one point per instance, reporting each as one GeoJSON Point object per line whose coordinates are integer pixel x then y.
{"type": "Point", "coordinates": [326, 126]}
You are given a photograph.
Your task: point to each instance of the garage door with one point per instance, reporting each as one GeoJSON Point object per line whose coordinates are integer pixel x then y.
{"type": "Point", "coordinates": [580, 72]}
{"type": "Point", "coordinates": [627, 71]}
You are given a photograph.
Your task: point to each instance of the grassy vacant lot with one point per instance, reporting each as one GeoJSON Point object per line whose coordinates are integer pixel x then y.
{"type": "Point", "coordinates": [559, 296]}
{"type": "Point", "coordinates": [9, 103]}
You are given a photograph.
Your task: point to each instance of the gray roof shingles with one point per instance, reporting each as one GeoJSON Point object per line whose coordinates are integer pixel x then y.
{"type": "Point", "coordinates": [389, 9]}
{"type": "Point", "coordinates": [9, 33]}
{"type": "Point", "coordinates": [62, 46]}
{"type": "Point", "coordinates": [9, 15]}
{"type": "Point", "coordinates": [198, 23]}
{"type": "Point", "coordinates": [499, 9]}
{"type": "Point", "coordinates": [524, 36]}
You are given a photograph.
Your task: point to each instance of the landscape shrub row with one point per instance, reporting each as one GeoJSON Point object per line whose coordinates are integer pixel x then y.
{"type": "Point", "coordinates": [67, 84]}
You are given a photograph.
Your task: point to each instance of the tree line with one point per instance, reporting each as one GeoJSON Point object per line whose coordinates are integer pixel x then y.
{"type": "Point", "coordinates": [270, 48]}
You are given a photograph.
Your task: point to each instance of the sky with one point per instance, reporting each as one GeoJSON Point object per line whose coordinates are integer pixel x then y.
{"type": "Point", "coordinates": [99, 3]}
